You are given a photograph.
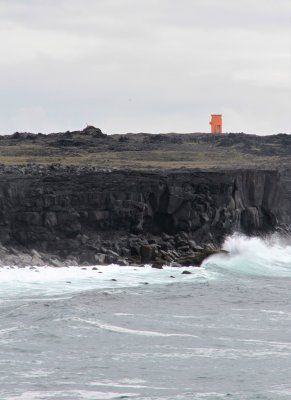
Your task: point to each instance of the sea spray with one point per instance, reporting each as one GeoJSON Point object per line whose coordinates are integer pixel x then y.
{"type": "Point", "coordinates": [270, 256]}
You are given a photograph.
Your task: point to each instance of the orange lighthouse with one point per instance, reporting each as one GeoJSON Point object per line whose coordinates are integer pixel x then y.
{"type": "Point", "coordinates": [216, 123]}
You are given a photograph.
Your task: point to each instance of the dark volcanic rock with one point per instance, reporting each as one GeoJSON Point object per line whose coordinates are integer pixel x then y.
{"type": "Point", "coordinates": [198, 258]}
{"type": "Point", "coordinates": [147, 253]}
{"type": "Point", "coordinates": [157, 266]}
{"type": "Point", "coordinates": [69, 211]}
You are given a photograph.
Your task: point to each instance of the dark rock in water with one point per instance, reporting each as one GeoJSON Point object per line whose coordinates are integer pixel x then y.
{"type": "Point", "coordinates": [159, 261]}
{"type": "Point", "coordinates": [114, 280]}
{"type": "Point", "coordinates": [94, 269]}
{"type": "Point", "coordinates": [134, 261]}
{"type": "Point", "coordinates": [110, 259]}
{"type": "Point", "coordinates": [198, 258]}
{"type": "Point", "coordinates": [203, 255]}
{"type": "Point", "coordinates": [172, 276]}
{"type": "Point", "coordinates": [121, 263]}
{"type": "Point", "coordinates": [157, 266]}
{"type": "Point", "coordinates": [186, 273]}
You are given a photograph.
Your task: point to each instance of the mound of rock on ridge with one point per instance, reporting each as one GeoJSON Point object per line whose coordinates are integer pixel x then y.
{"type": "Point", "coordinates": [94, 216]}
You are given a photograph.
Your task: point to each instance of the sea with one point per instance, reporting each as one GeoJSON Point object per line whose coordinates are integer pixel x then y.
{"type": "Point", "coordinates": [109, 332]}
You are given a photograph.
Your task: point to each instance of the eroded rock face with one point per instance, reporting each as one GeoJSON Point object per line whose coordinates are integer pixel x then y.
{"type": "Point", "coordinates": [286, 196]}
{"type": "Point", "coordinates": [76, 210]}
{"type": "Point", "coordinates": [93, 217]}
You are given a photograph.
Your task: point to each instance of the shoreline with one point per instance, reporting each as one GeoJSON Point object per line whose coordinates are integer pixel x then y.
{"type": "Point", "coordinates": [178, 251]}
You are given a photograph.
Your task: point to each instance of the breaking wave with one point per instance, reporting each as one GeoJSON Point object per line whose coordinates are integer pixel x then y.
{"type": "Point", "coordinates": [269, 256]}
{"type": "Point", "coordinates": [252, 256]}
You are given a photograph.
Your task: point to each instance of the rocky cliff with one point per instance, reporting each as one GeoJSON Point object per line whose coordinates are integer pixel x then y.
{"type": "Point", "coordinates": [92, 215]}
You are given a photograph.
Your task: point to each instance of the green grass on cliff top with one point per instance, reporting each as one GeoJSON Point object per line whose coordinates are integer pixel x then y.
{"type": "Point", "coordinates": [196, 157]}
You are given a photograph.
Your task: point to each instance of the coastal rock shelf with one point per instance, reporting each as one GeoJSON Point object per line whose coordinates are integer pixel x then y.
{"type": "Point", "coordinates": [94, 216]}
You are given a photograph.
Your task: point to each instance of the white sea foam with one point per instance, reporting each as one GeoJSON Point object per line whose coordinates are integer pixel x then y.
{"type": "Point", "coordinates": [253, 256]}
{"type": "Point", "coordinates": [120, 329]}
{"type": "Point", "coordinates": [127, 383]}
{"type": "Point", "coordinates": [8, 330]}
{"type": "Point", "coordinates": [72, 394]}
{"type": "Point", "coordinates": [209, 352]}
{"type": "Point", "coordinates": [49, 281]}
{"type": "Point", "coordinates": [269, 257]}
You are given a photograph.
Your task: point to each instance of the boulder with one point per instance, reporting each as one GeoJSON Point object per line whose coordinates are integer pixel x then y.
{"type": "Point", "coordinates": [157, 266]}
{"type": "Point", "coordinates": [147, 253]}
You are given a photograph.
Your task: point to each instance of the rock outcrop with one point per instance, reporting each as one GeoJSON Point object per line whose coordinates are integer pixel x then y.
{"type": "Point", "coordinates": [86, 215]}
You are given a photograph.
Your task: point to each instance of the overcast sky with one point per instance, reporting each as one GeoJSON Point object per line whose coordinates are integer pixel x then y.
{"type": "Point", "coordinates": [145, 65]}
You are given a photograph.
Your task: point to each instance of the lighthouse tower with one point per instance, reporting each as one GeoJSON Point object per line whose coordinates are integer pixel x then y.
{"type": "Point", "coordinates": [216, 123]}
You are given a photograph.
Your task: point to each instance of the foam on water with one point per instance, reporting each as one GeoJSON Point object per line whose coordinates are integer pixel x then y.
{"type": "Point", "coordinates": [119, 329]}
{"type": "Point", "coordinates": [72, 394]}
{"type": "Point", "coordinates": [221, 332]}
{"type": "Point", "coordinates": [50, 281]}
{"type": "Point", "coordinates": [269, 257]}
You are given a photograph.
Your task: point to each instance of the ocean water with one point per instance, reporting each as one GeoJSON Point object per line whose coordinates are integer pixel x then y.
{"type": "Point", "coordinates": [223, 332]}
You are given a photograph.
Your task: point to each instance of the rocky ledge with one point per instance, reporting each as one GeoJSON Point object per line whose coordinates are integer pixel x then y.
{"type": "Point", "coordinates": [54, 215]}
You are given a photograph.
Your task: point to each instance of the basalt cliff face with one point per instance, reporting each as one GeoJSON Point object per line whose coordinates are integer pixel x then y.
{"type": "Point", "coordinates": [88, 215]}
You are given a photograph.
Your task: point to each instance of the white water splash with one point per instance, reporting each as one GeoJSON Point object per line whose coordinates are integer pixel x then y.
{"type": "Point", "coordinates": [269, 257]}
{"type": "Point", "coordinates": [255, 256]}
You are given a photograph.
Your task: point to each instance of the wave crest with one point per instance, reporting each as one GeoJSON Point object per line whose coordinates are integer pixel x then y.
{"type": "Point", "coordinates": [269, 256]}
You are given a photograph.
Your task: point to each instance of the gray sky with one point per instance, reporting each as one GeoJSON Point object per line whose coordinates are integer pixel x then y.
{"type": "Point", "coordinates": [145, 65]}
